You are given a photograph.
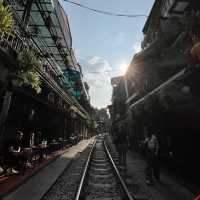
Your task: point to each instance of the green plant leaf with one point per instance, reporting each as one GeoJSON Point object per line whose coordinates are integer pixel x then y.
{"type": "Point", "coordinates": [6, 19]}
{"type": "Point", "coordinates": [32, 78]}
{"type": "Point", "coordinates": [28, 61]}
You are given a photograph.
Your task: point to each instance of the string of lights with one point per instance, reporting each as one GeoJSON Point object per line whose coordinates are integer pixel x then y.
{"type": "Point", "coordinates": [105, 12]}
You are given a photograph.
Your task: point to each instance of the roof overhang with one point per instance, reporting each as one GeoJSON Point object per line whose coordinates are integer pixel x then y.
{"type": "Point", "coordinates": [179, 6]}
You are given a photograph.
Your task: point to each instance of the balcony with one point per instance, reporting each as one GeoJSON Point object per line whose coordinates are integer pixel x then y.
{"type": "Point", "coordinates": [48, 74]}
{"type": "Point", "coordinates": [33, 38]}
{"type": "Point", "coordinates": [48, 25]}
{"type": "Point", "coordinates": [173, 7]}
{"type": "Point", "coordinates": [179, 6]}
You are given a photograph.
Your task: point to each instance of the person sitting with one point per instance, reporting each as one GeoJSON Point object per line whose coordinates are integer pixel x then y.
{"type": "Point", "coordinates": [13, 153]}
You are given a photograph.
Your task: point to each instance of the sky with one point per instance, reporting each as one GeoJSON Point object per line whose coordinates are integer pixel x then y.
{"type": "Point", "coordinates": [104, 45]}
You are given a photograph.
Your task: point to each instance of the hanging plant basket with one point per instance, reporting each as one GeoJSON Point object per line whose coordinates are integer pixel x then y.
{"type": "Point", "coordinates": [31, 78]}
{"type": "Point", "coordinates": [27, 61]}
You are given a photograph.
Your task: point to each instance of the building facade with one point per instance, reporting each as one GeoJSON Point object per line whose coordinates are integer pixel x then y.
{"type": "Point", "coordinates": [41, 83]}
{"type": "Point", "coordinates": [163, 82]}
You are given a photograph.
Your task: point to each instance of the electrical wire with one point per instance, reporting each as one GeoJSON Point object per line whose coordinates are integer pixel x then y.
{"type": "Point", "coordinates": [105, 12]}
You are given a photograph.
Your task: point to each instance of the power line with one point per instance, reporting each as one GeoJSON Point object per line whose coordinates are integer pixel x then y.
{"type": "Point", "coordinates": [105, 12]}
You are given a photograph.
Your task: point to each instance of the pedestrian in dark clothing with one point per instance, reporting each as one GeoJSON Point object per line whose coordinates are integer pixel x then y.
{"type": "Point", "coordinates": [122, 143]}
{"type": "Point", "coordinates": [14, 145]}
{"type": "Point", "coordinates": [115, 134]}
{"type": "Point", "coordinates": [152, 154]}
{"type": "Point", "coordinates": [14, 156]}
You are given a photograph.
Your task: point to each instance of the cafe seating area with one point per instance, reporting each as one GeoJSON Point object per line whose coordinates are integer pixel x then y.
{"type": "Point", "coordinates": [41, 155]}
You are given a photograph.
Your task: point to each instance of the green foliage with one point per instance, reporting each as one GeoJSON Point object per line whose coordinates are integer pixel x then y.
{"type": "Point", "coordinates": [29, 78]}
{"type": "Point", "coordinates": [32, 78]}
{"type": "Point", "coordinates": [6, 19]}
{"type": "Point", "coordinates": [16, 80]}
{"type": "Point", "coordinates": [24, 73]}
{"type": "Point", "coordinates": [28, 61]}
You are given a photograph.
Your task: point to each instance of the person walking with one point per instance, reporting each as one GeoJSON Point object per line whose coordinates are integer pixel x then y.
{"type": "Point", "coordinates": [152, 154]}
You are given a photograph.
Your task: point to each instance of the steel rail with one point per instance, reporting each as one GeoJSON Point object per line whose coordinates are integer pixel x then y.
{"type": "Point", "coordinates": [129, 196]}
{"type": "Point", "coordinates": [84, 174]}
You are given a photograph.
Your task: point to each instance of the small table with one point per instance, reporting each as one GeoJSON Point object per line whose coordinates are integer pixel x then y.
{"type": "Point", "coordinates": [54, 146]}
{"type": "Point", "coordinates": [41, 150]}
{"type": "Point", "coordinates": [74, 139]}
{"type": "Point", "coordinates": [66, 143]}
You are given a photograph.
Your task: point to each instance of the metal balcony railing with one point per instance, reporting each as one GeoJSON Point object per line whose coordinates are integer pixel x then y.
{"type": "Point", "coordinates": [16, 43]}
{"type": "Point", "coordinates": [22, 39]}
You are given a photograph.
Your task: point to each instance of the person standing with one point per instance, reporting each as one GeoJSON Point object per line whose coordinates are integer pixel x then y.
{"type": "Point", "coordinates": [152, 154]}
{"type": "Point", "coordinates": [122, 143]}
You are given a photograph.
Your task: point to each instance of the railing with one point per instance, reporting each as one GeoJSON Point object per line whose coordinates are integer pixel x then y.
{"type": "Point", "coordinates": [166, 83]}
{"type": "Point", "coordinates": [13, 41]}
{"type": "Point", "coordinates": [19, 23]}
{"type": "Point", "coordinates": [16, 43]}
{"type": "Point", "coordinates": [52, 30]}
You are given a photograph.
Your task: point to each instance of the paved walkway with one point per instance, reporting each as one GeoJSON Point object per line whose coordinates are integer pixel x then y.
{"type": "Point", "coordinates": [36, 186]}
{"type": "Point", "coordinates": [168, 189]}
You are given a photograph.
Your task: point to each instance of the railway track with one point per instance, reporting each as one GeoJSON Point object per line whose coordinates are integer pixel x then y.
{"type": "Point", "coordinates": [93, 175]}
{"type": "Point", "coordinates": [101, 179]}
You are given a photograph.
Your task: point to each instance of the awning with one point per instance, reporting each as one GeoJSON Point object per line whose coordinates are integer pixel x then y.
{"type": "Point", "coordinates": [56, 42]}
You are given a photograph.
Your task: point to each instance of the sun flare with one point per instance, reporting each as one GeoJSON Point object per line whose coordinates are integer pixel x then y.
{"type": "Point", "coordinates": [123, 68]}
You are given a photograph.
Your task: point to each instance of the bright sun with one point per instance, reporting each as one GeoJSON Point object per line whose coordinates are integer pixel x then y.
{"type": "Point", "coordinates": [123, 68]}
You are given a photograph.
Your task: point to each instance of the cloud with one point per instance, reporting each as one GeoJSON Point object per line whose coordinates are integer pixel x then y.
{"type": "Point", "coordinates": [95, 73]}
{"type": "Point", "coordinates": [96, 64]}
{"type": "Point", "coordinates": [93, 60]}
